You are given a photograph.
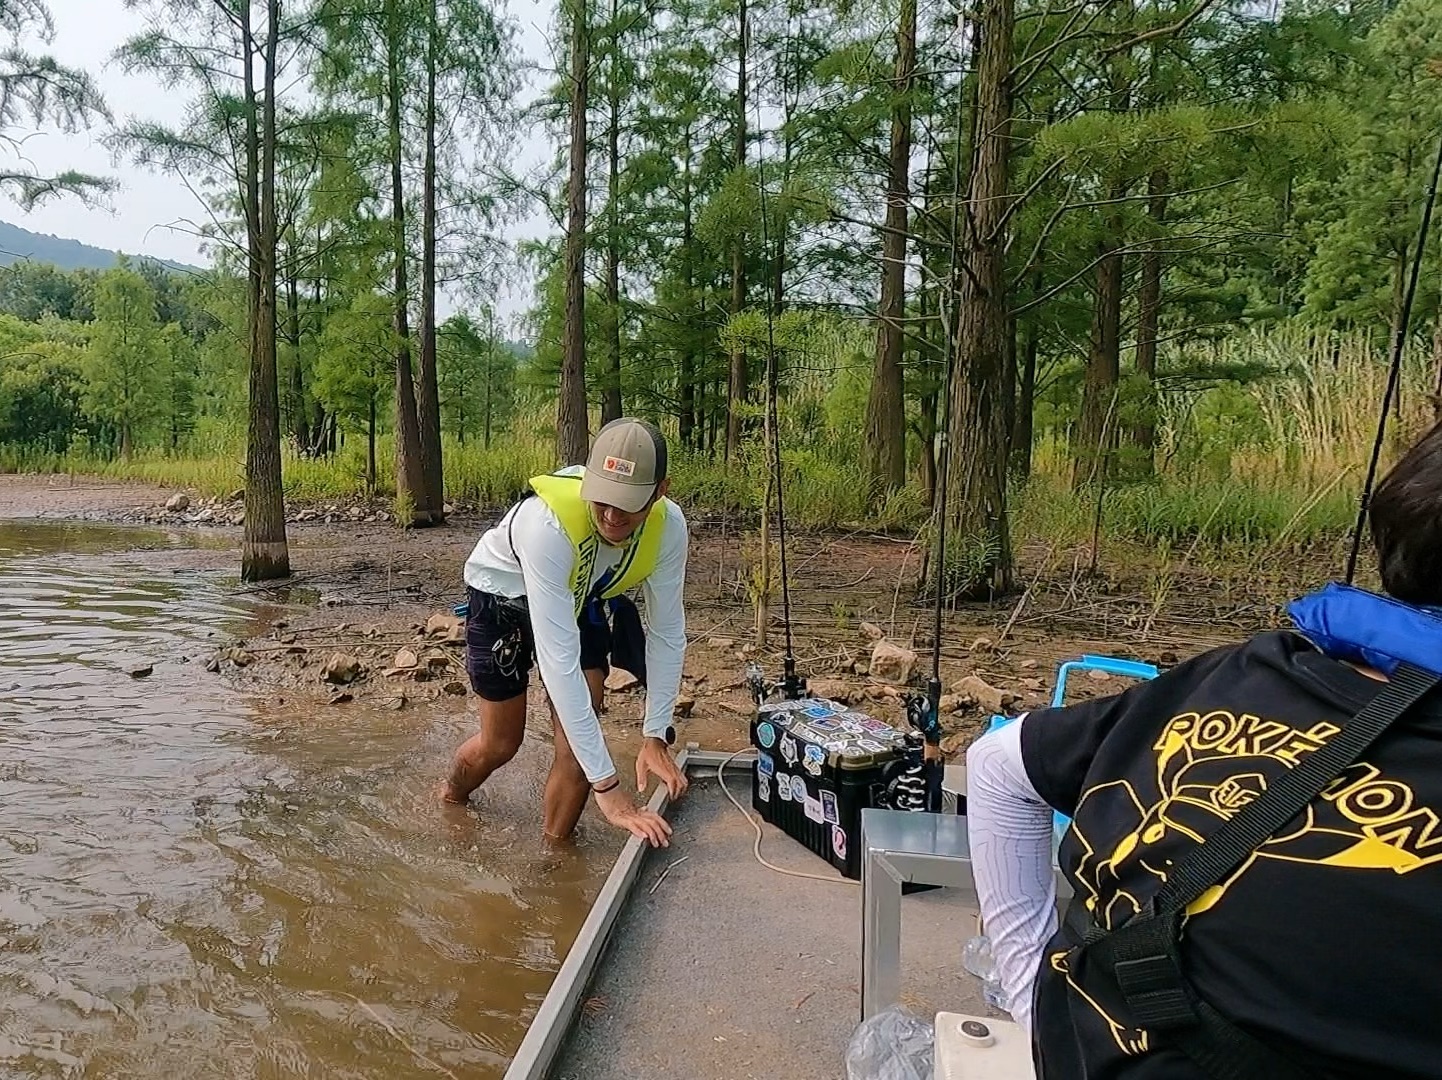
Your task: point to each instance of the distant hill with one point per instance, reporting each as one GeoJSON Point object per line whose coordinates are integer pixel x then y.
{"type": "Point", "coordinates": [17, 244]}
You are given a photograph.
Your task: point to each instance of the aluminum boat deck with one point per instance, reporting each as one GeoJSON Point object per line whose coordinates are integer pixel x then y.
{"type": "Point", "coordinates": [698, 961]}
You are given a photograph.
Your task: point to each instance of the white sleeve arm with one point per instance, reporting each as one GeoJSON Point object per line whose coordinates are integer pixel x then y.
{"type": "Point", "coordinates": [547, 557]}
{"type": "Point", "coordinates": [1010, 831]}
{"type": "Point", "coordinates": [664, 591]}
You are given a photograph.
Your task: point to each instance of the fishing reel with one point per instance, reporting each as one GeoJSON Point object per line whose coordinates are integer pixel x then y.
{"type": "Point", "coordinates": [905, 783]}
{"type": "Point", "coordinates": [923, 713]}
{"type": "Point", "coordinates": [913, 782]}
{"type": "Point", "coordinates": [792, 686]}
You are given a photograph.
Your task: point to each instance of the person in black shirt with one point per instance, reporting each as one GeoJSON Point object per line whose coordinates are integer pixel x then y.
{"type": "Point", "coordinates": [1325, 943]}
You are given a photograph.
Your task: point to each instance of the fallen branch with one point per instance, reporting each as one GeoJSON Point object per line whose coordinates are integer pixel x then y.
{"type": "Point", "coordinates": [662, 877]}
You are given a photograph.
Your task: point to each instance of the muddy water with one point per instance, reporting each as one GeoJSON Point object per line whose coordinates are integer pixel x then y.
{"type": "Point", "coordinates": [197, 884]}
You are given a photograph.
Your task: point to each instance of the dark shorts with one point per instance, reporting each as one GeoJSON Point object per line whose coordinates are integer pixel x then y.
{"type": "Point", "coordinates": [501, 650]}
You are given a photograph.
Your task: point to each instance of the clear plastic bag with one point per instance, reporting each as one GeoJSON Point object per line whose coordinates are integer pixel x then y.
{"type": "Point", "coordinates": [977, 959]}
{"type": "Point", "coordinates": [895, 1044]}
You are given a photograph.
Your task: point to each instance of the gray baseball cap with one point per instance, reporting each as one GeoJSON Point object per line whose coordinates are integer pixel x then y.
{"type": "Point", "coordinates": [627, 462]}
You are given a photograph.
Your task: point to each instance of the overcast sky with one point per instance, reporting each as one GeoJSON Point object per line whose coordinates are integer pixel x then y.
{"type": "Point", "coordinates": [146, 216]}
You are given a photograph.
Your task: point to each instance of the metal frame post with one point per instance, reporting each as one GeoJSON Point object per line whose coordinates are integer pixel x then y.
{"type": "Point", "coordinates": [880, 933]}
{"type": "Point", "coordinates": [900, 847]}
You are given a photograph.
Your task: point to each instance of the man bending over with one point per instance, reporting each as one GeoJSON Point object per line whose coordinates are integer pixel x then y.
{"type": "Point", "coordinates": [538, 587]}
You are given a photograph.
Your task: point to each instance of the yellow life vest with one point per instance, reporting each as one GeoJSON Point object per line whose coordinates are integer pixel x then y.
{"type": "Point", "coordinates": [638, 559]}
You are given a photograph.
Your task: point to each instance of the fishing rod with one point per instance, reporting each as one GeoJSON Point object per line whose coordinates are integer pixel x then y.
{"type": "Point", "coordinates": [792, 686]}
{"type": "Point", "coordinates": [1394, 374]}
{"type": "Point", "coordinates": [924, 712]}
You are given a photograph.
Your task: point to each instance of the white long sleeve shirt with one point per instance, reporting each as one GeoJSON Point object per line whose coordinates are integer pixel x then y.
{"type": "Point", "coordinates": [1010, 832]}
{"type": "Point", "coordinates": [540, 570]}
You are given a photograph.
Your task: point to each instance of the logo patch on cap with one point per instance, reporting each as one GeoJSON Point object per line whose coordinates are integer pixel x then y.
{"type": "Point", "coordinates": [620, 466]}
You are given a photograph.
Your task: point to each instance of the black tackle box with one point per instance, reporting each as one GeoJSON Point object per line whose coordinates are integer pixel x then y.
{"type": "Point", "coordinates": [818, 765]}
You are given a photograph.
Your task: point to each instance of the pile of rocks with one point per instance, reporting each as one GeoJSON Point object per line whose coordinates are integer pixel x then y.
{"type": "Point", "coordinates": [184, 509]}
{"type": "Point", "coordinates": [330, 513]}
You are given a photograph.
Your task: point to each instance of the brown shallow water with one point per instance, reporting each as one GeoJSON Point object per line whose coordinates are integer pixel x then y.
{"type": "Point", "coordinates": [197, 884]}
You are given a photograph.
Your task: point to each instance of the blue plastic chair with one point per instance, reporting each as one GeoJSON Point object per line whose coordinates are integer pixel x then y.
{"type": "Point", "coordinates": [1131, 669]}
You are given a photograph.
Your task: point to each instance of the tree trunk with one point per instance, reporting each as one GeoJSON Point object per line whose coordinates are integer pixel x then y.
{"type": "Point", "coordinates": [300, 422]}
{"type": "Point", "coordinates": [1023, 432]}
{"type": "Point", "coordinates": [612, 407]}
{"type": "Point", "coordinates": [371, 445]}
{"type": "Point", "coordinates": [428, 405]}
{"type": "Point", "coordinates": [1095, 441]}
{"type": "Point", "coordinates": [410, 477]}
{"type": "Point", "coordinates": [933, 309]}
{"type": "Point", "coordinates": [926, 428]}
{"type": "Point", "coordinates": [572, 434]}
{"type": "Point", "coordinates": [319, 422]}
{"type": "Point", "coordinates": [319, 431]}
{"type": "Point", "coordinates": [885, 451]}
{"type": "Point", "coordinates": [491, 374]}
{"type": "Point", "coordinates": [713, 414]}
{"type": "Point", "coordinates": [1096, 427]}
{"type": "Point", "coordinates": [265, 554]}
{"type": "Point", "coordinates": [976, 455]}
{"type": "Point", "coordinates": [688, 356]}
{"type": "Point", "coordinates": [486, 428]}
{"type": "Point", "coordinates": [1008, 384]}
{"type": "Point", "coordinates": [1149, 317]}
{"type": "Point", "coordinates": [738, 388]}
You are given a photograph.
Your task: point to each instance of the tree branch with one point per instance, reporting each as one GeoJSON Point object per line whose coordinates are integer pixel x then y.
{"type": "Point", "coordinates": [1160, 31]}
{"type": "Point", "coordinates": [1021, 199]}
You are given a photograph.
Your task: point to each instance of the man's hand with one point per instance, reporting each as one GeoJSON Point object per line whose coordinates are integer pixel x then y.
{"type": "Point", "coordinates": [621, 810]}
{"type": "Point", "coordinates": [655, 760]}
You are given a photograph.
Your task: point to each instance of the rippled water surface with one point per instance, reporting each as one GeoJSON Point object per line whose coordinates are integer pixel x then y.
{"type": "Point", "coordinates": [196, 883]}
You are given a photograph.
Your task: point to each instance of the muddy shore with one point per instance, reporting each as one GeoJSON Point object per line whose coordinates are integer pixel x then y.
{"type": "Point", "coordinates": [366, 616]}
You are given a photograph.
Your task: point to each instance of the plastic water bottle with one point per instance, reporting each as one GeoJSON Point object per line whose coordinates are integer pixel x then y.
{"type": "Point", "coordinates": [977, 959]}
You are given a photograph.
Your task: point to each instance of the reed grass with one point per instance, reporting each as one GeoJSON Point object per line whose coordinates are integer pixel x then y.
{"type": "Point", "coordinates": [1272, 462]}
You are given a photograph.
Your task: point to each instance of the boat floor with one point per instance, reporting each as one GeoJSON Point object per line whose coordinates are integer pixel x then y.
{"type": "Point", "coordinates": [725, 969]}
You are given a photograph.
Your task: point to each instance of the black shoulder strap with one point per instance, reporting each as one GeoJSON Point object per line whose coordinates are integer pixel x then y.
{"type": "Point", "coordinates": [1143, 954]}
{"type": "Point", "coordinates": [511, 525]}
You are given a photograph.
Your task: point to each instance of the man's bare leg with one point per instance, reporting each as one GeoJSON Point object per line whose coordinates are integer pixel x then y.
{"type": "Point", "coordinates": [566, 787]}
{"type": "Point", "coordinates": [503, 726]}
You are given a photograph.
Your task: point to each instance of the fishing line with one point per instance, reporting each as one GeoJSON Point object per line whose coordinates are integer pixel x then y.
{"type": "Point", "coordinates": [1394, 374]}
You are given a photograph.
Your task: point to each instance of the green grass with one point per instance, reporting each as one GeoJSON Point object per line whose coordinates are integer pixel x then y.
{"type": "Point", "coordinates": [1207, 513]}
{"type": "Point", "coordinates": [1273, 464]}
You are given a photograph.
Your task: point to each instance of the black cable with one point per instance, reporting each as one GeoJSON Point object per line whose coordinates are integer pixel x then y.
{"type": "Point", "coordinates": [1394, 375]}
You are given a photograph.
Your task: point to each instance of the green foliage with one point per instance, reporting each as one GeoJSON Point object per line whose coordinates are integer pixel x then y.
{"type": "Point", "coordinates": [477, 376]}
{"type": "Point", "coordinates": [1268, 164]}
{"type": "Point", "coordinates": [39, 90]}
{"type": "Point", "coordinates": [355, 372]}
{"type": "Point", "coordinates": [41, 385]}
{"type": "Point", "coordinates": [1362, 255]}
{"type": "Point", "coordinates": [127, 358]}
